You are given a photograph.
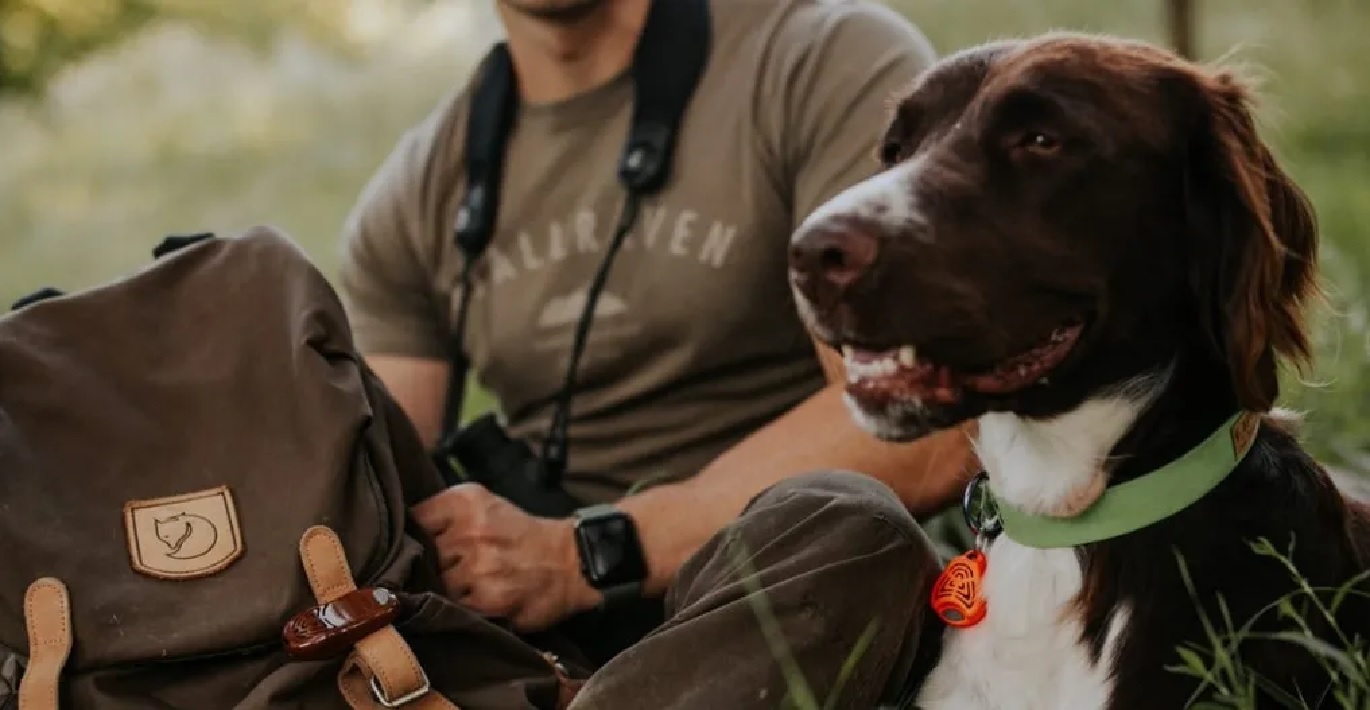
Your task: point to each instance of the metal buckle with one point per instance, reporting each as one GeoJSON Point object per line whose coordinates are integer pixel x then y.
{"type": "Point", "coordinates": [982, 519]}
{"type": "Point", "coordinates": [405, 699]}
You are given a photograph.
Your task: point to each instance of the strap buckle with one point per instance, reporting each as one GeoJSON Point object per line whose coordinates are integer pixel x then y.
{"type": "Point", "coordinates": [379, 693]}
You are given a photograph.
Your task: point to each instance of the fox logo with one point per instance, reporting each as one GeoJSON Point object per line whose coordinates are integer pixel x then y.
{"type": "Point", "coordinates": [186, 535]}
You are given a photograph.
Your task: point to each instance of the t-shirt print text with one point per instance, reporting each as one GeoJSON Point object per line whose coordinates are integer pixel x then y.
{"type": "Point", "coordinates": [683, 234]}
{"type": "Point", "coordinates": [680, 235]}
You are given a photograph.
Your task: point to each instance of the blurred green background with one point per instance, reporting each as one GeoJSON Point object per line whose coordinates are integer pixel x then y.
{"type": "Point", "coordinates": [123, 120]}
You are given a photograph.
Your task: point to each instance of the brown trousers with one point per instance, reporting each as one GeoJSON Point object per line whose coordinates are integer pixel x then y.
{"type": "Point", "coordinates": [816, 569]}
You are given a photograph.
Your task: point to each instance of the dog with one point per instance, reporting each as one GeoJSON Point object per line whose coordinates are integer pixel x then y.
{"type": "Point", "coordinates": [1081, 243]}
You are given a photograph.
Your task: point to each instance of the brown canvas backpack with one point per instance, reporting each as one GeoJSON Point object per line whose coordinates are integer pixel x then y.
{"type": "Point", "coordinates": [203, 504]}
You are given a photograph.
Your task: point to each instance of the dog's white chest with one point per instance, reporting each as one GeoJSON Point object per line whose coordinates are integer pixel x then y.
{"type": "Point", "coordinates": [1027, 653]}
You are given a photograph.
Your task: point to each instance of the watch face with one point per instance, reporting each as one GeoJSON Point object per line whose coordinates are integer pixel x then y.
{"type": "Point", "coordinates": [609, 550]}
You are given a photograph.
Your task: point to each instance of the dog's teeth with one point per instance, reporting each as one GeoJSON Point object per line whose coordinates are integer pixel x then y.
{"type": "Point", "coordinates": [885, 366]}
{"type": "Point", "coordinates": [1043, 381]}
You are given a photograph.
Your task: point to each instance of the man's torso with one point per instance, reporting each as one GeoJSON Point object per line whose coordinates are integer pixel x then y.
{"type": "Point", "coordinates": [695, 342]}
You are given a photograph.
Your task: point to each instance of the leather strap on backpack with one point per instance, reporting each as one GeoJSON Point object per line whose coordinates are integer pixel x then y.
{"type": "Point", "coordinates": [47, 614]}
{"type": "Point", "coordinates": [381, 671]}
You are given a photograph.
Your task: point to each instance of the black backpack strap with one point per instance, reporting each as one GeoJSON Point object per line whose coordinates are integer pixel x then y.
{"type": "Point", "coordinates": [668, 61]}
{"type": "Point", "coordinates": [176, 242]}
{"type": "Point", "coordinates": [41, 294]}
{"type": "Point", "coordinates": [670, 57]}
{"type": "Point", "coordinates": [493, 106]}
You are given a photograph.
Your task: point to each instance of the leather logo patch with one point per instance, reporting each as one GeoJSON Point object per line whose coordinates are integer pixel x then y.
{"type": "Point", "coordinates": [183, 537]}
{"type": "Point", "coordinates": [1244, 432]}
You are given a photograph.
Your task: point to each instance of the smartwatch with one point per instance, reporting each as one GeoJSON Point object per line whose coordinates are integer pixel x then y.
{"type": "Point", "coordinates": [611, 557]}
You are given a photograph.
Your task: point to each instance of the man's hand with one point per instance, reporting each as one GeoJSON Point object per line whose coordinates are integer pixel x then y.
{"type": "Point", "coordinates": [503, 562]}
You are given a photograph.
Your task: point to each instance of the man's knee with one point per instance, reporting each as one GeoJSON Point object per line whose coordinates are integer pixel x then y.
{"type": "Point", "coordinates": [841, 493]}
{"type": "Point", "coordinates": [828, 527]}
{"type": "Point", "coordinates": [833, 518]}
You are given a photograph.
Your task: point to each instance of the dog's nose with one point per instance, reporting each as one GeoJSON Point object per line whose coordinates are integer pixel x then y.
{"type": "Point", "coordinates": [828, 257]}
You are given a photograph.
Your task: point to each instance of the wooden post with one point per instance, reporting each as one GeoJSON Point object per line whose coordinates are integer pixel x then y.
{"type": "Point", "coordinates": [1182, 27]}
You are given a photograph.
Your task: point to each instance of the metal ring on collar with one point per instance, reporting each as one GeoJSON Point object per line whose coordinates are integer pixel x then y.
{"type": "Point", "coordinates": [984, 520]}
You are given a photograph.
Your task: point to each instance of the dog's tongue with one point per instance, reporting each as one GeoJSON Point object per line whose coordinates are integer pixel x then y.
{"type": "Point", "coordinates": [1027, 367]}
{"type": "Point", "coordinates": [1008, 377]}
{"type": "Point", "coordinates": [899, 373]}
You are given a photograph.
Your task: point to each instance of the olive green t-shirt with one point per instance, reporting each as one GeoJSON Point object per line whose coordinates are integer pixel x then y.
{"type": "Point", "coordinates": [696, 342]}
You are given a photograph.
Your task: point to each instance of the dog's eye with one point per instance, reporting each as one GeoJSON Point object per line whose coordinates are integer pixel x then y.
{"type": "Point", "coordinates": [1040, 143]}
{"type": "Point", "coordinates": [890, 152]}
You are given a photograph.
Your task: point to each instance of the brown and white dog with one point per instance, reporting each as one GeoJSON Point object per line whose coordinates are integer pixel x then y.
{"type": "Point", "coordinates": [1083, 243]}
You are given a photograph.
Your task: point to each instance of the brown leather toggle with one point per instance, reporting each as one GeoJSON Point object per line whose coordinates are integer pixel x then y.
{"type": "Point", "coordinates": [331, 629]}
{"type": "Point", "coordinates": [381, 671]}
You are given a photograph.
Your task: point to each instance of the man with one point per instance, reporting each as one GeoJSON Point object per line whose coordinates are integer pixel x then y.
{"type": "Point", "coordinates": [698, 384]}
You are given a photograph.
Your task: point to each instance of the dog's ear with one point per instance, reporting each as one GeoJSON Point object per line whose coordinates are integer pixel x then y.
{"type": "Point", "coordinates": [1253, 241]}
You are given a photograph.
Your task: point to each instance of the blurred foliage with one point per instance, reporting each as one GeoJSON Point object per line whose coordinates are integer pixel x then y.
{"type": "Point", "coordinates": [39, 38]}
{"type": "Point", "coordinates": [186, 127]}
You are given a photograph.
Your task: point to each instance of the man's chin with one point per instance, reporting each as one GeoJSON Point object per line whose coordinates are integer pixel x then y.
{"type": "Point", "coordinates": [555, 11]}
{"type": "Point", "coordinates": [904, 421]}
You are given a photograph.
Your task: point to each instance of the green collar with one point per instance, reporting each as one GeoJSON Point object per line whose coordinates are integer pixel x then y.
{"type": "Point", "coordinates": [1133, 505]}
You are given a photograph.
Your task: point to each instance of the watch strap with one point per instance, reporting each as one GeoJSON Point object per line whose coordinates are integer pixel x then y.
{"type": "Point", "coordinates": [597, 510]}
{"type": "Point", "coordinates": [620, 594]}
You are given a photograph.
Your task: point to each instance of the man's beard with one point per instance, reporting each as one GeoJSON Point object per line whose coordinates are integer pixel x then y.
{"type": "Point", "coordinates": [564, 12]}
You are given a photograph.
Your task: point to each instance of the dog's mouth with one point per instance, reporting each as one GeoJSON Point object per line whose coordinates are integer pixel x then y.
{"type": "Point", "coordinates": [902, 375]}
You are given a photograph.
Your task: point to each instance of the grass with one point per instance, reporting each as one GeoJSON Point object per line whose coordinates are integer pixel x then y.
{"type": "Point", "coordinates": [1225, 682]}
{"type": "Point", "coordinates": [1229, 684]}
{"type": "Point", "coordinates": [799, 696]}
{"type": "Point", "coordinates": [173, 133]}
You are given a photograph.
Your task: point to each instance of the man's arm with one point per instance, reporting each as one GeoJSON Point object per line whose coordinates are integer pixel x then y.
{"type": "Point", "coordinates": [831, 97]}
{"type": "Point", "coordinates": [833, 68]}
{"type": "Point", "coordinates": [419, 387]}
{"type": "Point", "coordinates": [386, 276]}
{"type": "Point", "coordinates": [817, 434]}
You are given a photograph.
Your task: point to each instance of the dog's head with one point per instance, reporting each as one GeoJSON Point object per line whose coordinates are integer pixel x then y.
{"type": "Point", "coordinates": [1055, 216]}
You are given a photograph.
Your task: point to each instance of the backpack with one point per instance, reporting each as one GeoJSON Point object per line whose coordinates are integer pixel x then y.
{"type": "Point", "coordinates": [204, 498]}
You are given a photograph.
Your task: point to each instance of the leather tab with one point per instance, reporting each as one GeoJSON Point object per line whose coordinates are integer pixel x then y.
{"type": "Point", "coordinates": [47, 614]}
{"type": "Point", "coordinates": [396, 677]}
{"type": "Point", "coordinates": [331, 629]}
{"type": "Point", "coordinates": [360, 694]}
{"type": "Point", "coordinates": [325, 564]}
{"type": "Point", "coordinates": [382, 670]}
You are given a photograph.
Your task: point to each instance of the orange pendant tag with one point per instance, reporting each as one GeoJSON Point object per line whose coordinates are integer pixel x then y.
{"type": "Point", "coordinates": [956, 596]}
